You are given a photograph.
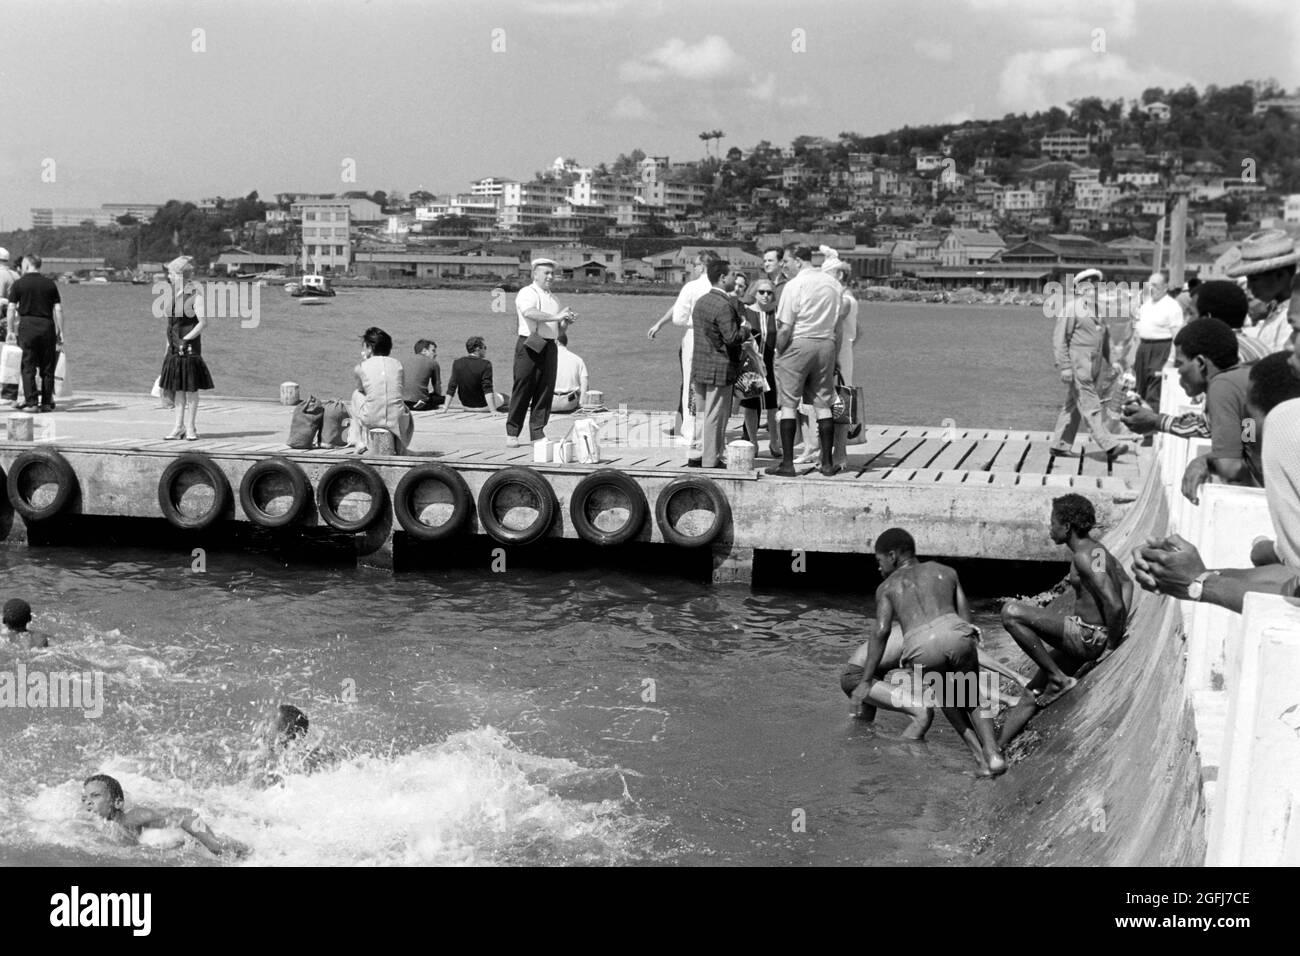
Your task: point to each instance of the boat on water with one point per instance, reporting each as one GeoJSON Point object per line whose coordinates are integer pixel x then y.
{"type": "Point", "coordinates": [310, 286]}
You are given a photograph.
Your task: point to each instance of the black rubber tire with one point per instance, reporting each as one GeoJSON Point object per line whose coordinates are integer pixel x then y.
{"type": "Point", "coordinates": [374, 487]}
{"type": "Point", "coordinates": [608, 478]}
{"type": "Point", "coordinates": [721, 511]}
{"type": "Point", "coordinates": [65, 478]}
{"type": "Point", "coordinates": [300, 495]}
{"type": "Point", "coordinates": [462, 502]}
{"type": "Point", "coordinates": [221, 494]}
{"type": "Point", "coordinates": [548, 506]}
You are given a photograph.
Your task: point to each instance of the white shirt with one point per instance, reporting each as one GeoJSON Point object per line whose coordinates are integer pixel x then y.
{"type": "Point", "coordinates": [535, 297]}
{"type": "Point", "coordinates": [1160, 319]}
{"type": "Point", "coordinates": [812, 302]}
{"type": "Point", "coordinates": [570, 371]}
{"type": "Point", "coordinates": [691, 293]}
{"type": "Point", "coordinates": [1275, 331]}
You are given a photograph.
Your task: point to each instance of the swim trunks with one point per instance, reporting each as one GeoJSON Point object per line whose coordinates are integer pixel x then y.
{"type": "Point", "coordinates": [945, 644]}
{"type": "Point", "coordinates": [1084, 641]}
{"type": "Point", "coordinates": [851, 678]}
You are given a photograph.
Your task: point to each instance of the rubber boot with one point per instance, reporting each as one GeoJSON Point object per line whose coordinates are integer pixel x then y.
{"type": "Point", "coordinates": [786, 465]}
{"type": "Point", "coordinates": [826, 438]}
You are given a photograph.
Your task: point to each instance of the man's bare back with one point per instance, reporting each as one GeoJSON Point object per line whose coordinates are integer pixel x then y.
{"type": "Point", "coordinates": [1085, 602]}
{"type": "Point", "coordinates": [921, 593]}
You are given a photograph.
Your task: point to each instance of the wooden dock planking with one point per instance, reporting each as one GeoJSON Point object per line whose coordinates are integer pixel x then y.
{"type": "Point", "coordinates": [1036, 459]}
{"type": "Point", "coordinates": [982, 455]}
{"type": "Point", "coordinates": [953, 454]}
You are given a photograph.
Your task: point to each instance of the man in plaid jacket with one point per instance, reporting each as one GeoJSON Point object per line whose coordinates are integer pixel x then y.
{"type": "Point", "coordinates": [719, 331]}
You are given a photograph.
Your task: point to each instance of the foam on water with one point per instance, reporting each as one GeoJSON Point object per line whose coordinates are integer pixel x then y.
{"type": "Point", "coordinates": [473, 799]}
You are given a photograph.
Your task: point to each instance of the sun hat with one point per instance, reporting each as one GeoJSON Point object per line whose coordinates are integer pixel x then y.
{"type": "Point", "coordinates": [1265, 251]}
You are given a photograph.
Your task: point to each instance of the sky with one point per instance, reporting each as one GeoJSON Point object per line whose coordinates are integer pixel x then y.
{"type": "Point", "coordinates": [149, 100]}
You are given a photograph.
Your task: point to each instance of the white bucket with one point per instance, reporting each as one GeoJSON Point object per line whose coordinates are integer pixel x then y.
{"type": "Point", "coordinates": [563, 452]}
{"type": "Point", "coordinates": [289, 393]}
{"type": "Point", "coordinates": [740, 455]}
{"type": "Point", "coordinates": [542, 450]}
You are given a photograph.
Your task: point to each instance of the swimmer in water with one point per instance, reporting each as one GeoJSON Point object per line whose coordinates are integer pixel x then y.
{"type": "Point", "coordinates": [17, 615]}
{"type": "Point", "coordinates": [937, 636]}
{"type": "Point", "coordinates": [283, 748]}
{"type": "Point", "coordinates": [102, 797]}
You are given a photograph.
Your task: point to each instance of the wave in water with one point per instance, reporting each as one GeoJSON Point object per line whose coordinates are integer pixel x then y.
{"type": "Point", "coordinates": [473, 799]}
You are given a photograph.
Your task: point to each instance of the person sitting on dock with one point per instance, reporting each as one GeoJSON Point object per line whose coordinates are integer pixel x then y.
{"type": "Point", "coordinates": [102, 797]}
{"type": "Point", "coordinates": [1173, 566]}
{"type": "Point", "coordinates": [471, 380]}
{"type": "Point", "coordinates": [422, 378]}
{"type": "Point", "coordinates": [17, 615]}
{"type": "Point", "coordinates": [937, 638]}
{"type": "Point", "coordinates": [1081, 347]}
{"type": "Point", "coordinates": [1062, 644]}
{"type": "Point", "coordinates": [570, 377]}
{"type": "Point", "coordinates": [377, 401]}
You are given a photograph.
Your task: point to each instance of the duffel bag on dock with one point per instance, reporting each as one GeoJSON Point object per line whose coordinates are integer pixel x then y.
{"type": "Point", "coordinates": [305, 426]}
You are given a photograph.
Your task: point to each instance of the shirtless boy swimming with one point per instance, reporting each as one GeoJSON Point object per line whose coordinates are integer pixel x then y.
{"type": "Point", "coordinates": [17, 615]}
{"type": "Point", "coordinates": [1062, 644]}
{"type": "Point", "coordinates": [283, 748]}
{"type": "Point", "coordinates": [930, 605]}
{"type": "Point", "coordinates": [102, 796]}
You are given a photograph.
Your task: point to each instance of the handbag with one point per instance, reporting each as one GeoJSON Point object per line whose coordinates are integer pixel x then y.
{"type": "Point", "coordinates": [61, 388]}
{"type": "Point", "coordinates": [535, 343]}
{"type": "Point", "coordinates": [11, 365]}
{"type": "Point", "coordinates": [851, 400]}
{"type": "Point", "coordinates": [334, 424]}
{"type": "Point", "coordinates": [752, 381]}
{"type": "Point", "coordinates": [305, 425]}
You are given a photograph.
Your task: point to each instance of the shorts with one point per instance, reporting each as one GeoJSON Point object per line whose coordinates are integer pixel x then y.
{"type": "Point", "coordinates": [1087, 642]}
{"type": "Point", "coordinates": [851, 678]}
{"type": "Point", "coordinates": [805, 373]}
{"type": "Point", "coordinates": [945, 644]}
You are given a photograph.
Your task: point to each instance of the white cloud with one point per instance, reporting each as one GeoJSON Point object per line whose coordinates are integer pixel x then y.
{"type": "Point", "coordinates": [576, 8]}
{"type": "Point", "coordinates": [1065, 20]}
{"type": "Point", "coordinates": [934, 49]}
{"type": "Point", "coordinates": [631, 109]}
{"type": "Point", "coordinates": [709, 59]}
{"type": "Point", "coordinates": [762, 88]}
{"type": "Point", "coordinates": [1038, 80]}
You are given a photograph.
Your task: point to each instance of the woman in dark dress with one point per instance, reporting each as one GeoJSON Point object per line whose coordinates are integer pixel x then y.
{"type": "Point", "coordinates": [761, 315]}
{"type": "Point", "coordinates": [184, 372]}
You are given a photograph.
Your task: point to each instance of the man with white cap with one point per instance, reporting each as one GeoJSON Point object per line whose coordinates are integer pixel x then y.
{"type": "Point", "coordinates": [1081, 344]}
{"type": "Point", "coordinates": [7, 278]}
{"type": "Point", "coordinates": [536, 355]}
{"type": "Point", "coordinates": [1268, 263]}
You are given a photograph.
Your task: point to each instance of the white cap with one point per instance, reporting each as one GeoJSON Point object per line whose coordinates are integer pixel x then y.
{"type": "Point", "coordinates": [4, 254]}
{"type": "Point", "coordinates": [179, 265]}
{"type": "Point", "coordinates": [543, 262]}
{"type": "Point", "coordinates": [1087, 274]}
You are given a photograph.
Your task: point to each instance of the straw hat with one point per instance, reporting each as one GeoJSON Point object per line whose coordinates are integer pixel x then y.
{"type": "Point", "coordinates": [1265, 251]}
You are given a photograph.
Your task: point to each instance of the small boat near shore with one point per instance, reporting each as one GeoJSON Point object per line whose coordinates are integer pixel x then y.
{"type": "Point", "coordinates": [310, 286]}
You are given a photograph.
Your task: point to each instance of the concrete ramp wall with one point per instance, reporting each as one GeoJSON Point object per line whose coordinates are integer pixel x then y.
{"type": "Point", "coordinates": [1183, 747]}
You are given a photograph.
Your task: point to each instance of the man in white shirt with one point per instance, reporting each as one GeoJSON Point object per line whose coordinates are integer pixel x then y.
{"type": "Point", "coordinates": [1268, 263]}
{"type": "Point", "coordinates": [807, 342]}
{"type": "Point", "coordinates": [540, 321]}
{"type": "Point", "coordinates": [1158, 321]}
{"type": "Point", "coordinates": [570, 378]}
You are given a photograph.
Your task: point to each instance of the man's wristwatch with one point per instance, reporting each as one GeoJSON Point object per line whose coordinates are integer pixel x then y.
{"type": "Point", "coordinates": [1197, 586]}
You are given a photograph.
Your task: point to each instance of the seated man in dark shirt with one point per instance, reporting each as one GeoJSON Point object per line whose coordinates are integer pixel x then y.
{"type": "Point", "coordinates": [471, 380]}
{"type": "Point", "coordinates": [422, 378]}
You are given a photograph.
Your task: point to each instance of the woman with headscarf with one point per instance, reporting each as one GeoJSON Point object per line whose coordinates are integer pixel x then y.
{"type": "Point", "coordinates": [760, 313]}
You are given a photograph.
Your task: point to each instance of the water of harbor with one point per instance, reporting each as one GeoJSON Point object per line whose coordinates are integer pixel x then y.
{"type": "Point", "coordinates": [545, 715]}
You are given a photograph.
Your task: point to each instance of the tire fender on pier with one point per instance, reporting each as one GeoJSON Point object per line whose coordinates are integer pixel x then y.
{"type": "Point", "coordinates": [414, 497]}
{"type": "Point", "coordinates": [272, 480]}
{"type": "Point", "coordinates": [602, 496]}
{"type": "Point", "coordinates": [691, 512]}
{"type": "Point", "coordinates": [40, 484]}
{"type": "Point", "coordinates": [516, 489]}
{"type": "Point", "coordinates": [177, 479]}
{"type": "Point", "coordinates": [335, 496]}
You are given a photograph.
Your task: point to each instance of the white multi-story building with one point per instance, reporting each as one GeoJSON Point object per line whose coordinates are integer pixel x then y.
{"type": "Point", "coordinates": [326, 233]}
{"type": "Point", "coordinates": [1065, 143]}
{"type": "Point", "coordinates": [488, 186]}
{"type": "Point", "coordinates": [1095, 195]}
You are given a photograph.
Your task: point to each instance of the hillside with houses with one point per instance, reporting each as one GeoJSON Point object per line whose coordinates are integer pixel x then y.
{"type": "Point", "coordinates": [997, 205]}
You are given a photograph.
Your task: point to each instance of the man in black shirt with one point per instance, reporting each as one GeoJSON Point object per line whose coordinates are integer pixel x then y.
{"type": "Point", "coordinates": [37, 328]}
{"type": "Point", "coordinates": [471, 379]}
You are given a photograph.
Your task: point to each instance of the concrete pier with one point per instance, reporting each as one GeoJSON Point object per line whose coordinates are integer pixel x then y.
{"type": "Point", "coordinates": [963, 492]}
